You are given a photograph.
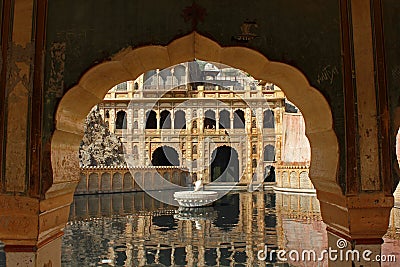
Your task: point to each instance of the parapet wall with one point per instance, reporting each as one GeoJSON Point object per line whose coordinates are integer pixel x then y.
{"type": "Point", "coordinates": [114, 179]}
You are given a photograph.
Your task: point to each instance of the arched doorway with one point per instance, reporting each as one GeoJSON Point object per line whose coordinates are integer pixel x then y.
{"type": "Point", "coordinates": [165, 156]}
{"type": "Point", "coordinates": [224, 165]}
{"type": "Point", "coordinates": [269, 174]}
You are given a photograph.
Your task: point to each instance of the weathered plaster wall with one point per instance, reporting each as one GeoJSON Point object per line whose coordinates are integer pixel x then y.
{"type": "Point", "coordinates": [296, 148]}
{"type": "Point", "coordinates": [303, 34]}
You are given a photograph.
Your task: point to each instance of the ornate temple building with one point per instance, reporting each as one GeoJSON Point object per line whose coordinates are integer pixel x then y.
{"type": "Point", "coordinates": [216, 122]}
{"type": "Point", "coordinates": [198, 121]}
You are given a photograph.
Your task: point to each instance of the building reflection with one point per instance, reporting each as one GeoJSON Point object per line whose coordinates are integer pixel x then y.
{"type": "Point", "coordinates": [133, 229]}
{"type": "Point", "coordinates": [300, 227]}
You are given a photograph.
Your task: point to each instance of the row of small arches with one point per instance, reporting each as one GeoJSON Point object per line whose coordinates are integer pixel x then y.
{"type": "Point", "coordinates": [180, 120]}
{"type": "Point", "coordinates": [107, 182]}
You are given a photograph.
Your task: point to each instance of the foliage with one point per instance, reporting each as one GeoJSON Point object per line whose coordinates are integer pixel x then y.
{"type": "Point", "coordinates": [99, 146]}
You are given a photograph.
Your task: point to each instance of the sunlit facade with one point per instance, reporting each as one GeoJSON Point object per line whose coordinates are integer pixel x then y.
{"type": "Point", "coordinates": [197, 116]}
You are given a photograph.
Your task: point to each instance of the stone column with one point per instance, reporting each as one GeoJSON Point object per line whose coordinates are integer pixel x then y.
{"type": "Point", "coordinates": [200, 121]}
{"type": "Point", "coordinates": [158, 119]}
{"type": "Point", "coordinates": [129, 119]}
{"type": "Point", "coordinates": [112, 120]}
{"type": "Point", "coordinates": [142, 138]}
{"type": "Point", "coordinates": [232, 117]}
{"type": "Point", "coordinates": [217, 120]}
{"type": "Point", "coordinates": [172, 114]}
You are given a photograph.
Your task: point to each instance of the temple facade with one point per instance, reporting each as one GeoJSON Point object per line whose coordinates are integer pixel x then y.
{"type": "Point", "coordinates": [197, 120]}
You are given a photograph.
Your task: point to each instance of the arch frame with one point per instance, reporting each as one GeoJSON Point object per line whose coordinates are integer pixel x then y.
{"type": "Point", "coordinates": [130, 62]}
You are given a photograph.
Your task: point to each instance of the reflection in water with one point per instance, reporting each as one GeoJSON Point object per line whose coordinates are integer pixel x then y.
{"type": "Point", "coordinates": [132, 229]}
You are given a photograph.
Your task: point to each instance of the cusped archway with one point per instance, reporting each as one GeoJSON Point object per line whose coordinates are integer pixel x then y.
{"type": "Point", "coordinates": [129, 63]}
{"type": "Point", "coordinates": [165, 156]}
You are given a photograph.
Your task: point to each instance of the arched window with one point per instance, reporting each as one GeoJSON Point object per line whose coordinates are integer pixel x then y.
{"type": "Point", "coordinates": [194, 124]}
{"type": "Point", "coordinates": [180, 73]}
{"type": "Point", "coordinates": [254, 149]}
{"type": "Point", "coordinates": [165, 119]}
{"type": "Point", "coordinates": [224, 120]}
{"type": "Point", "coordinates": [269, 174]}
{"type": "Point", "coordinates": [225, 164]}
{"type": "Point", "coordinates": [107, 114]}
{"type": "Point", "coordinates": [180, 120]}
{"type": "Point", "coordinates": [117, 181]}
{"type": "Point", "coordinates": [135, 125]}
{"type": "Point", "coordinates": [238, 119]}
{"type": "Point", "coordinates": [151, 119]}
{"type": "Point", "coordinates": [209, 119]}
{"type": "Point", "coordinates": [120, 123]}
{"type": "Point", "coordinates": [254, 163]}
{"type": "Point", "coordinates": [194, 149]}
{"type": "Point", "coordinates": [269, 121]}
{"type": "Point", "coordinates": [269, 153]}
{"type": "Point", "coordinates": [122, 86]}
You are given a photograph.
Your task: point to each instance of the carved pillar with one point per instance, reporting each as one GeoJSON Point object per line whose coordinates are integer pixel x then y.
{"type": "Point", "coordinates": [361, 213]}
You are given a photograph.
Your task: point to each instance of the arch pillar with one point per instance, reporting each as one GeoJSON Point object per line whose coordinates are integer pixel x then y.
{"type": "Point", "coordinates": [356, 208]}
{"type": "Point", "coordinates": [361, 213]}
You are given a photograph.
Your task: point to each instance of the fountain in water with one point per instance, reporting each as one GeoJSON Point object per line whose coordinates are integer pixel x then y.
{"type": "Point", "coordinates": [196, 198]}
